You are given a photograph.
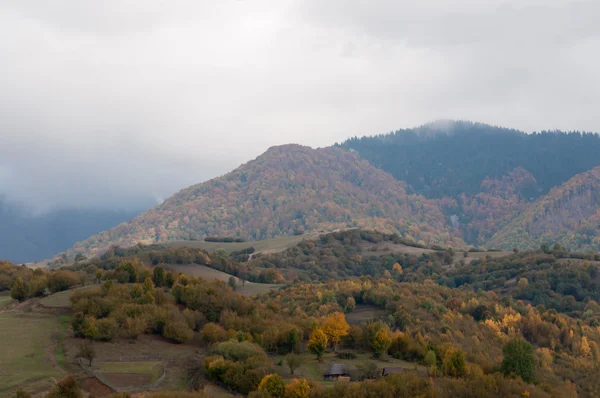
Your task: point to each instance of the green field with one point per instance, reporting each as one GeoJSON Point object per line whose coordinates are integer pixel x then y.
{"type": "Point", "coordinates": [281, 243]}
{"type": "Point", "coordinates": [26, 347]}
{"type": "Point", "coordinates": [138, 367]}
{"type": "Point", "coordinates": [249, 288]}
{"type": "Point", "coordinates": [61, 299]}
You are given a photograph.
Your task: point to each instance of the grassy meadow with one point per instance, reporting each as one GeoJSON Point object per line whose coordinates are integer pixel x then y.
{"type": "Point", "coordinates": [28, 350]}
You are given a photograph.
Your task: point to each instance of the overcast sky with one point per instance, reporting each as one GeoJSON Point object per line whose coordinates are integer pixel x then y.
{"type": "Point", "coordinates": [122, 102]}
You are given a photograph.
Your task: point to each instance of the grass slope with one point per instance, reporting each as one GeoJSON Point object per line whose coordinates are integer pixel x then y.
{"type": "Point", "coordinates": [202, 271]}
{"type": "Point", "coordinates": [26, 357]}
{"type": "Point", "coordinates": [61, 299]}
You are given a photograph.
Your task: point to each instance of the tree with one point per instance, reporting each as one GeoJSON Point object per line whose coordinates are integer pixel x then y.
{"type": "Point", "coordinates": [178, 331]}
{"type": "Point", "coordinates": [135, 326]}
{"type": "Point", "coordinates": [66, 388]}
{"type": "Point", "coordinates": [297, 389]}
{"type": "Point", "coordinates": [455, 364]}
{"type": "Point", "coordinates": [19, 290]}
{"type": "Point", "coordinates": [523, 283]}
{"type": "Point", "coordinates": [231, 283]}
{"type": "Point", "coordinates": [317, 343]}
{"type": "Point", "coordinates": [87, 351]}
{"type": "Point", "coordinates": [350, 303]}
{"type": "Point", "coordinates": [518, 360]}
{"type": "Point", "coordinates": [158, 275]}
{"type": "Point", "coordinates": [382, 342]}
{"type": "Point", "coordinates": [430, 358]}
{"type": "Point", "coordinates": [148, 285]}
{"type": "Point", "coordinates": [294, 361]}
{"type": "Point", "coordinates": [273, 384]}
{"type": "Point", "coordinates": [98, 274]}
{"type": "Point", "coordinates": [335, 327]}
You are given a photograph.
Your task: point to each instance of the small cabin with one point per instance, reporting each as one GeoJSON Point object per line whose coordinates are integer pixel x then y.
{"type": "Point", "coordinates": [336, 371]}
{"type": "Point", "coordinates": [390, 371]}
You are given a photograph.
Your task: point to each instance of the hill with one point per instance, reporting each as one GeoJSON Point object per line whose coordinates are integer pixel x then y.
{"type": "Point", "coordinates": [569, 215]}
{"type": "Point", "coordinates": [447, 159]}
{"type": "Point", "coordinates": [482, 176]}
{"type": "Point", "coordinates": [288, 190]}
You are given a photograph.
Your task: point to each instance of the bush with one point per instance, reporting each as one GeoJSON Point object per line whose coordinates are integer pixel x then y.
{"type": "Point", "coordinates": [107, 329]}
{"type": "Point", "coordinates": [62, 280]}
{"type": "Point", "coordinates": [178, 331]}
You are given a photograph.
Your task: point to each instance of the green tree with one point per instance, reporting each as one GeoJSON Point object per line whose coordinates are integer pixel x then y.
{"type": "Point", "coordinates": [317, 343]}
{"type": "Point", "coordinates": [148, 285]}
{"type": "Point", "coordinates": [518, 360]}
{"type": "Point", "coordinates": [231, 283]}
{"type": "Point", "coordinates": [19, 290]}
{"type": "Point", "coordinates": [430, 358]}
{"type": "Point", "coordinates": [158, 275]}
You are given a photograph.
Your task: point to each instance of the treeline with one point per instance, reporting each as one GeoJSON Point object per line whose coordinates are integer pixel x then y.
{"type": "Point", "coordinates": [24, 282]}
{"type": "Point", "coordinates": [226, 239]}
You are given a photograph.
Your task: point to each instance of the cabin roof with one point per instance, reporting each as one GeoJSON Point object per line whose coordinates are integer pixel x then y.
{"type": "Point", "coordinates": [336, 369]}
{"type": "Point", "coordinates": [387, 371]}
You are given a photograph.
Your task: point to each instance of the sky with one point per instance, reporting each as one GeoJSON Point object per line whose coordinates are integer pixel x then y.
{"type": "Point", "coordinates": [120, 103]}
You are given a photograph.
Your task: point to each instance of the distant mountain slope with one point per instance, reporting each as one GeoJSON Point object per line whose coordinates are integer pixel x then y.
{"type": "Point", "coordinates": [25, 238]}
{"type": "Point", "coordinates": [569, 214]}
{"type": "Point", "coordinates": [482, 175]}
{"type": "Point", "coordinates": [451, 158]}
{"type": "Point", "coordinates": [289, 189]}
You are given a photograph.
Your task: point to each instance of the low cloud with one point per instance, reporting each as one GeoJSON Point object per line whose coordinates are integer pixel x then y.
{"type": "Point", "coordinates": [118, 103]}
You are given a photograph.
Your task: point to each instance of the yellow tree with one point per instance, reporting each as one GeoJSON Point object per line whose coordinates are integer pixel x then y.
{"type": "Point", "coordinates": [273, 384]}
{"type": "Point", "coordinates": [335, 327]}
{"type": "Point", "coordinates": [317, 343]}
{"type": "Point", "coordinates": [297, 389]}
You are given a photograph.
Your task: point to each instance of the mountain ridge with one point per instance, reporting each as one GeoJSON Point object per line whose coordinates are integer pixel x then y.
{"type": "Point", "coordinates": [288, 189]}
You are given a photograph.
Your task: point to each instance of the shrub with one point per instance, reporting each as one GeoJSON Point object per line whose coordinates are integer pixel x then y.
{"type": "Point", "coordinates": [178, 331]}
{"type": "Point", "coordinates": [62, 280]}
{"type": "Point", "coordinates": [107, 329]}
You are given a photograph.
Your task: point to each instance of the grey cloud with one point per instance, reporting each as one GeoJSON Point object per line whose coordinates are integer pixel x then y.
{"type": "Point", "coordinates": [117, 103]}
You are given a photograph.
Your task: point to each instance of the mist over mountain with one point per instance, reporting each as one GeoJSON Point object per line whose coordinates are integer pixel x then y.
{"type": "Point", "coordinates": [26, 237]}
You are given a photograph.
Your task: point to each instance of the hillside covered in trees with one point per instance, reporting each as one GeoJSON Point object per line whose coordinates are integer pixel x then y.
{"type": "Point", "coordinates": [288, 190]}
{"type": "Point", "coordinates": [568, 214]}
{"type": "Point", "coordinates": [451, 324]}
{"type": "Point", "coordinates": [484, 176]}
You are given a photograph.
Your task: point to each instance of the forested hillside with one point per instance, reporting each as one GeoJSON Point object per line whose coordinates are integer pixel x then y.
{"type": "Point", "coordinates": [482, 175]}
{"type": "Point", "coordinates": [288, 190]}
{"type": "Point", "coordinates": [449, 324]}
{"type": "Point", "coordinates": [569, 214]}
{"type": "Point", "coordinates": [446, 159]}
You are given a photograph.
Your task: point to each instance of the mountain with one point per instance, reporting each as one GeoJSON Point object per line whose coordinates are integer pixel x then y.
{"type": "Point", "coordinates": [568, 214]}
{"type": "Point", "coordinates": [27, 238]}
{"type": "Point", "coordinates": [447, 159]}
{"type": "Point", "coordinates": [287, 190]}
{"type": "Point", "coordinates": [482, 176]}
